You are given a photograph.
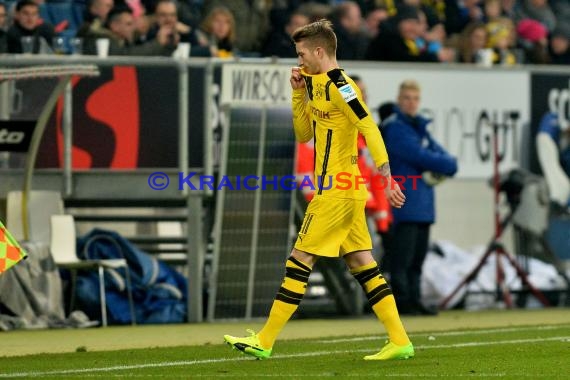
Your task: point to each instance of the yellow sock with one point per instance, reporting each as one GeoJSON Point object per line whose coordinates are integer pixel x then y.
{"type": "Point", "coordinates": [286, 301]}
{"type": "Point", "coordinates": [382, 301]}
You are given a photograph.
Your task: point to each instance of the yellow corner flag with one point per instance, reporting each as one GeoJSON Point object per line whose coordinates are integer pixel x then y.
{"type": "Point", "coordinates": [10, 250]}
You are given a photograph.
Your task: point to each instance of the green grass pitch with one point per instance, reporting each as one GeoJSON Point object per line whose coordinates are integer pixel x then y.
{"type": "Point", "coordinates": [490, 344]}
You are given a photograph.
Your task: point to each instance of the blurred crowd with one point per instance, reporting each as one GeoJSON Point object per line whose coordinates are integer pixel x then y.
{"type": "Point", "coordinates": [472, 31]}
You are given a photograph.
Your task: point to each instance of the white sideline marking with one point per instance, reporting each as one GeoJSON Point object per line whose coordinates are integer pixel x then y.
{"type": "Point", "coordinates": [448, 333]}
{"type": "Point", "coordinates": [287, 356]}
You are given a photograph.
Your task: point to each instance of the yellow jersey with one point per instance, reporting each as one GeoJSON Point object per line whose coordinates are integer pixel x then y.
{"type": "Point", "coordinates": [330, 110]}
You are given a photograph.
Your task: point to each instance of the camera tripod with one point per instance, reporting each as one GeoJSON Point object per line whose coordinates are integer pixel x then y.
{"type": "Point", "coordinates": [496, 247]}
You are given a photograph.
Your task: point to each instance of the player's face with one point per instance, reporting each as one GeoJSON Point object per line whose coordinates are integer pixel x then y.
{"type": "Point", "coordinates": [409, 102]}
{"type": "Point", "coordinates": [308, 58]}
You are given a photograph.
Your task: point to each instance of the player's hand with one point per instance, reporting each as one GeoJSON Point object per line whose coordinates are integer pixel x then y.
{"type": "Point", "coordinates": [297, 81]}
{"type": "Point", "coordinates": [395, 195]}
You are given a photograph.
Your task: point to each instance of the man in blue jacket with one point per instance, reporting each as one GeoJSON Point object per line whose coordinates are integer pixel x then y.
{"type": "Point", "coordinates": [416, 156]}
{"type": "Point", "coordinates": [553, 148]}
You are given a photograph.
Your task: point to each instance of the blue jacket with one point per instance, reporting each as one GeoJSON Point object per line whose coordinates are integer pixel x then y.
{"type": "Point", "coordinates": [412, 151]}
{"type": "Point", "coordinates": [159, 292]}
{"type": "Point", "coordinates": [549, 124]}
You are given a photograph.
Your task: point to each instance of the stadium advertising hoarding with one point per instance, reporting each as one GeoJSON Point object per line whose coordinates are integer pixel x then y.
{"type": "Point", "coordinates": [463, 103]}
{"type": "Point", "coordinates": [464, 106]}
{"type": "Point", "coordinates": [126, 118]}
{"type": "Point", "coordinates": [256, 83]}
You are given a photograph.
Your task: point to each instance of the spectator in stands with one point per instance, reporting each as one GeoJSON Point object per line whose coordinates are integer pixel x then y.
{"type": "Point", "coordinates": [538, 10]}
{"type": "Point", "coordinates": [460, 13]}
{"type": "Point", "coordinates": [98, 9]}
{"type": "Point", "coordinates": [315, 11]}
{"type": "Point", "coordinates": [499, 38]}
{"type": "Point", "coordinates": [279, 43]}
{"type": "Point", "coordinates": [120, 30]}
{"type": "Point", "coordinates": [137, 7]}
{"type": "Point", "coordinates": [3, 37]}
{"type": "Point", "coordinates": [27, 23]}
{"type": "Point", "coordinates": [559, 45]}
{"type": "Point", "coordinates": [348, 22]}
{"type": "Point", "coordinates": [95, 16]}
{"type": "Point", "coordinates": [493, 15]}
{"type": "Point", "coordinates": [508, 8]}
{"type": "Point", "coordinates": [430, 14]}
{"type": "Point", "coordinates": [492, 10]}
{"type": "Point", "coordinates": [437, 8]}
{"type": "Point", "coordinates": [472, 41]}
{"type": "Point", "coordinates": [397, 41]}
{"type": "Point", "coordinates": [189, 12]}
{"type": "Point", "coordinates": [413, 152]}
{"type": "Point", "coordinates": [141, 18]}
{"type": "Point", "coordinates": [533, 40]}
{"type": "Point", "coordinates": [251, 21]}
{"type": "Point", "coordinates": [218, 32]}
{"type": "Point", "coordinates": [561, 9]}
{"type": "Point", "coordinates": [373, 19]}
{"type": "Point", "coordinates": [166, 16]}
{"type": "Point", "coordinates": [430, 41]}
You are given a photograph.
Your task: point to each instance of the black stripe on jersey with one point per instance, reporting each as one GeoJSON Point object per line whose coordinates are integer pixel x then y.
{"type": "Point", "coordinates": [325, 161]}
{"type": "Point", "coordinates": [314, 143]}
{"type": "Point", "coordinates": [357, 108]}
{"type": "Point", "coordinates": [327, 90]}
{"type": "Point", "coordinates": [309, 85]}
{"type": "Point", "coordinates": [335, 75]}
{"type": "Point", "coordinates": [338, 79]}
{"type": "Point", "coordinates": [307, 224]}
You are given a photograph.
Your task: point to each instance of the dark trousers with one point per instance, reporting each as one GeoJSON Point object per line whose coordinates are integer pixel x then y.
{"type": "Point", "coordinates": [408, 251]}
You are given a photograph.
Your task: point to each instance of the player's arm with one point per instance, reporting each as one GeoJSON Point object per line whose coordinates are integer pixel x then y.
{"type": "Point", "coordinates": [348, 100]}
{"type": "Point", "coordinates": [377, 149]}
{"type": "Point", "coordinates": [301, 122]}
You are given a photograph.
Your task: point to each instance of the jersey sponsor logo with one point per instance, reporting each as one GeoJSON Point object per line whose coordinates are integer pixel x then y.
{"type": "Point", "coordinates": [319, 113]}
{"type": "Point", "coordinates": [347, 92]}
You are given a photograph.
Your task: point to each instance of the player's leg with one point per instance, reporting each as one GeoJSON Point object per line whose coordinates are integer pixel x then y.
{"type": "Point", "coordinates": [365, 270]}
{"type": "Point", "coordinates": [315, 236]}
{"type": "Point", "coordinates": [289, 296]}
{"type": "Point", "coordinates": [358, 257]}
{"type": "Point", "coordinates": [297, 270]}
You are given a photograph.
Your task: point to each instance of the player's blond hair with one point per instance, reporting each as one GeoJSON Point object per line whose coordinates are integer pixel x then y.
{"type": "Point", "coordinates": [317, 34]}
{"type": "Point", "coordinates": [410, 84]}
